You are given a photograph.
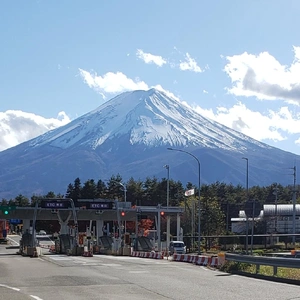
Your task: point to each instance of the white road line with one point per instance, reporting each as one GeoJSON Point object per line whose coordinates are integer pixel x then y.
{"type": "Point", "coordinates": [61, 258]}
{"type": "Point", "coordinates": [138, 272]}
{"type": "Point", "coordinates": [111, 265]}
{"type": "Point", "coordinates": [36, 297]}
{"type": "Point", "coordinates": [10, 287]}
{"type": "Point", "coordinates": [18, 290]}
{"type": "Point", "coordinates": [17, 244]}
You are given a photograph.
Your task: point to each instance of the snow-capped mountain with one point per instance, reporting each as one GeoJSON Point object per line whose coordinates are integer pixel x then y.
{"type": "Point", "coordinates": [150, 118]}
{"type": "Point", "coordinates": [129, 135]}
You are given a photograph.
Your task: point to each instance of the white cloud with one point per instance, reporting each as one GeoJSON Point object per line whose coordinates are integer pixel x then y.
{"type": "Point", "coordinates": [17, 126]}
{"type": "Point", "coordinates": [189, 64]}
{"type": "Point", "coordinates": [149, 58]}
{"type": "Point", "coordinates": [112, 82]}
{"type": "Point", "coordinates": [264, 77]}
{"type": "Point", "coordinates": [205, 92]}
{"type": "Point", "coordinates": [168, 93]}
{"type": "Point", "coordinates": [274, 125]}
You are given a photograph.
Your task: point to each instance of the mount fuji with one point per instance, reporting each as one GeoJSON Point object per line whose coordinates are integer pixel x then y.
{"type": "Point", "coordinates": [129, 135]}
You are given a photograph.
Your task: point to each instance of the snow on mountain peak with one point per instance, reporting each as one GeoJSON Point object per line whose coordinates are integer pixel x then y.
{"type": "Point", "coordinates": [152, 118]}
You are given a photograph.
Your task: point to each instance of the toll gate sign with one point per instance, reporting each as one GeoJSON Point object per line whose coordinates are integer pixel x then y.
{"type": "Point", "coordinates": [99, 205]}
{"type": "Point", "coordinates": [54, 204]}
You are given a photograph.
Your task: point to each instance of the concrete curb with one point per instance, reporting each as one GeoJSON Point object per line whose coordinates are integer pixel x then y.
{"type": "Point", "coordinates": [268, 278]}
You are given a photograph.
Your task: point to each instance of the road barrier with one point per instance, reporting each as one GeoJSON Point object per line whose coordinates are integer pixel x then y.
{"type": "Point", "coordinates": [156, 255]}
{"type": "Point", "coordinates": [275, 262]}
{"type": "Point", "coordinates": [201, 260]}
{"type": "Point", "coordinates": [46, 246]}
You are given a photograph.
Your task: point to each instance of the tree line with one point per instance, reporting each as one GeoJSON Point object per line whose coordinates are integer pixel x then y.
{"type": "Point", "coordinates": [219, 201]}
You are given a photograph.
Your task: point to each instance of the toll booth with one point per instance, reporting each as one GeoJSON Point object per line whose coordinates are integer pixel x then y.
{"type": "Point", "coordinates": [111, 219]}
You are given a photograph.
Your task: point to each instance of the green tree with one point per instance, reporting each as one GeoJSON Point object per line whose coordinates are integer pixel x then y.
{"type": "Point", "coordinates": [74, 191]}
{"type": "Point", "coordinates": [89, 190]}
{"type": "Point", "coordinates": [135, 191]}
{"type": "Point", "coordinates": [20, 200]}
{"type": "Point", "coordinates": [50, 195]}
{"type": "Point", "coordinates": [101, 189]}
{"type": "Point", "coordinates": [150, 191]}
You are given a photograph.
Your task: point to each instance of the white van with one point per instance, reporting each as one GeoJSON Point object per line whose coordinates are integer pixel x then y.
{"type": "Point", "coordinates": [177, 247]}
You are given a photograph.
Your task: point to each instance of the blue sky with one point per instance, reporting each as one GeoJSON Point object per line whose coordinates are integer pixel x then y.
{"type": "Point", "coordinates": [237, 62]}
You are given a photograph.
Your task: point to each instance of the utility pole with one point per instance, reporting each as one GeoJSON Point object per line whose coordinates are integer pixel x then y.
{"type": "Point", "coordinates": [168, 197]}
{"type": "Point", "coordinates": [199, 199]}
{"type": "Point", "coordinates": [294, 206]}
{"type": "Point", "coordinates": [247, 189]}
{"type": "Point", "coordinates": [276, 206]}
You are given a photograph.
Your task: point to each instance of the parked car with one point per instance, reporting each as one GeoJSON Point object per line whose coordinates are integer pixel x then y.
{"type": "Point", "coordinates": [177, 247]}
{"type": "Point", "coordinates": [42, 232]}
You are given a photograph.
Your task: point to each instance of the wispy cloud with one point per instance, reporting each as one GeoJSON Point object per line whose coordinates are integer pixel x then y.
{"type": "Point", "coordinates": [264, 77]}
{"type": "Point", "coordinates": [189, 64]}
{"type": "Point", "coordinates": [17, 126]}
{"type": "Point", "coordinates": [271, 125]}
{"type": "Point", "coordinates": [111, 82]}
{"type": "Point", "coordinates": [149, 58]}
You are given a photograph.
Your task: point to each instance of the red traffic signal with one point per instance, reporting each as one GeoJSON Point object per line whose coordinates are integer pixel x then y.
{"type": "Point", "coordinates": [123, 213]}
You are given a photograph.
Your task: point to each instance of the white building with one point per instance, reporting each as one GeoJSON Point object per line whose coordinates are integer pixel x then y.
{"type": "Point", "coordinates": [279, 218]}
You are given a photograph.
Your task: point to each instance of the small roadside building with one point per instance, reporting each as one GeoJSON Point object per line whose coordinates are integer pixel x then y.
{"type": "Point", "coordinates": [277, 218]}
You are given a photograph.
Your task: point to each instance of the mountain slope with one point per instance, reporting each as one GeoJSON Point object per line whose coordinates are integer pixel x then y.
{"type": "Point", "coordinates": [150, 118]}
{"type": "Point", "coordinates": [129, 135]}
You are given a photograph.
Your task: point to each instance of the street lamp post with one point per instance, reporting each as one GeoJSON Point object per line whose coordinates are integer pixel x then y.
{"type": "Point", "coordinates": [124, 188]}
{"type": "Point", "coordinates": [199, 201]}
{"type": "Point", "coordinates": [168, 197]}
{"type": "Point", "coordinates": [125, 197]}
{"type": "Point", "coordinates": [276, 200]}
{"type": "Point", "coordinates": [247, 189]}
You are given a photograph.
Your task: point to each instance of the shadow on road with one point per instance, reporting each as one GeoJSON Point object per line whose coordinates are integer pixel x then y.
{"type": "Point", "coordinates": [225, 274]}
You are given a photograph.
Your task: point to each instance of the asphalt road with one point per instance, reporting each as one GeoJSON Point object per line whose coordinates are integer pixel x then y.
{"type": "Point", "coordinates": [108, 278]}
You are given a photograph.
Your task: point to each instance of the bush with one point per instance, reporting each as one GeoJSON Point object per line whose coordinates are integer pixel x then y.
{"type": "Point", "coordinates": [230, 266]}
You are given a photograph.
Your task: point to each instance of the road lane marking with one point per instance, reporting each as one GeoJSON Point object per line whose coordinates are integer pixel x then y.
{"type": "Point", "coordinates": [61, 258]}
{"type": "Point", "coordinates": [36, 297]}
{"type": "Point", "coordinates": [12, 240]}
{"type": "Point", "coordinates": [138, 272]}
{"type": "Point", "coordinates": [19, 290]}
{"type": "Point", "coordinates": [10, 287]}
{"type": "Point", "coordinates": [111, 265]}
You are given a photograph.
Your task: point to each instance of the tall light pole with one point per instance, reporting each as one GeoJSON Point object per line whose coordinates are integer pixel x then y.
{"type": "Point", "coordinates": [125, 198]}
{"type": "Point", "coordinates": [168, 197]}
{"type": "Point", "coordinates": [275, 192]}
{"type": "Point", "coordinates": [247, 189]}
{"type": "Point", "coordinates": [124, 188]}
{"type": "Point", "coordinates": [247, 177]}
{"type": "Point", "coordinates": [294, 206]}
{"type": "Point", "coordinates": [199, 202]}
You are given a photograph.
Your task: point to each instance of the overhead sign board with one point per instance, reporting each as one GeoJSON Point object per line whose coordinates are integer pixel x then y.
{"type": "Point", "coordinates": [99, 205]}
{"type": "Point", "coordinates": [54, 204]}
{"type": "Point", "coordinates": [15, 221]}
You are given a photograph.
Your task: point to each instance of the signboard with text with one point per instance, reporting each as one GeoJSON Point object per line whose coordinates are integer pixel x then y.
{"type": "Point", "coordinates": [54, 204]}
{"type": "Point", "coordinates": [99, 205]}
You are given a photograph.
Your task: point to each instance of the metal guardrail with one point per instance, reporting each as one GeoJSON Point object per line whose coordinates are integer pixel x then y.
{"type": "Point", "coordinates": [275, 262]}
